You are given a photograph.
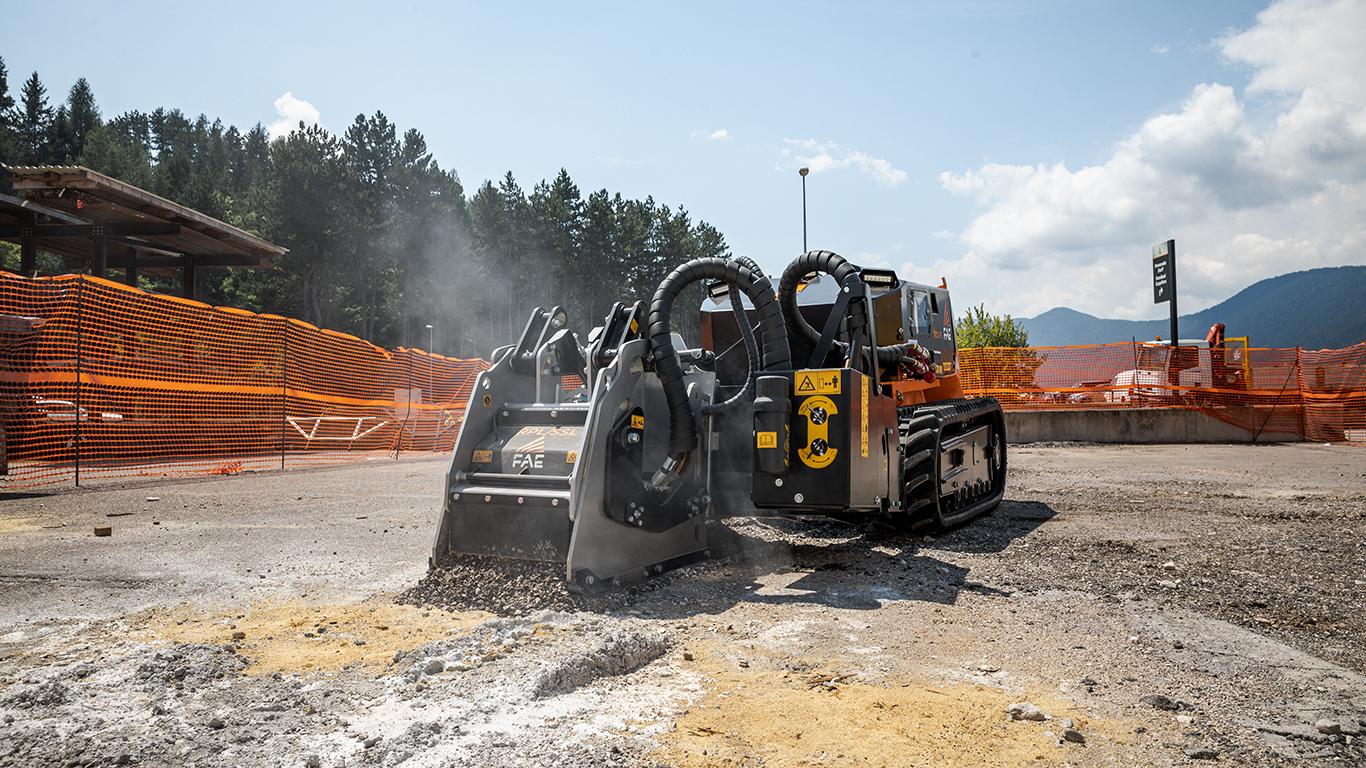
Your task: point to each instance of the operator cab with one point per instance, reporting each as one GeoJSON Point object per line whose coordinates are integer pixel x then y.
{"type": "Point", "coordinates": [901, 311]}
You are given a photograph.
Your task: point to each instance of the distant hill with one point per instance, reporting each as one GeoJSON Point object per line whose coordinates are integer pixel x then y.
{"type": "Point", "coordinates": [1315, 309]}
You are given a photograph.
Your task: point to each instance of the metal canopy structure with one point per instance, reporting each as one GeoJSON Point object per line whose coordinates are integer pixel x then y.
{"type": "Point", "coordinates": [86, 216]}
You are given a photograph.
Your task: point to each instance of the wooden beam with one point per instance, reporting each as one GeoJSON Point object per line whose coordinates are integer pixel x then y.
{"type": "Point", "coordinates": [28, 248]}
{"type": "Point", "coordinates": [187, 288]}
{"type": "Point", "coordinates": [130, 270]}
{"type": "Point", "coordinates": [98, 259]}
{"type": "Point", "coordinates": [129, 229]}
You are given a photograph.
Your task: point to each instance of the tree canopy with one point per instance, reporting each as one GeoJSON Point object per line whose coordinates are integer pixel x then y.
{"type": "Point", "coordinates": [382, 240]}
{"type": "Point", "coordinates": [980, 328]}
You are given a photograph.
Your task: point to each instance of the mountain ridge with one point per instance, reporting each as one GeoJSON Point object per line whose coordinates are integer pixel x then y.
{"type": "Point", "coordinates": [1322, 308]}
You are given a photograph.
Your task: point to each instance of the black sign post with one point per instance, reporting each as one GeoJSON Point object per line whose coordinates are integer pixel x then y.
{"type": "Point", "coordinates": [1164, 281]}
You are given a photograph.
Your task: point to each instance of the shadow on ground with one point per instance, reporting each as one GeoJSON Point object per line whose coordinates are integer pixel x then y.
{"type": "Point", "coordinates": [784, 561]}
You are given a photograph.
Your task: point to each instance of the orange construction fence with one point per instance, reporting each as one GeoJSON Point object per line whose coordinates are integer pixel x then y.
{"type": "Point", "coordinates": [101, 380]}
{"type": "Point", "coordinates": [1317, 395]}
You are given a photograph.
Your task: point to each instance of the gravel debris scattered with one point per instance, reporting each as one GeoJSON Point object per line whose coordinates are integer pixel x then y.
{"type": "Point", "coordinates": [1025, 711]}
{"type": "Point", "coordinates": [505, 587]}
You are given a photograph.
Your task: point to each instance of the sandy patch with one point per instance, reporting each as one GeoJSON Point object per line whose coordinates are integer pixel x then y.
{"type": "Point", "coordinates": [767, 716]}
{"type": "Point", "coordinates": [294, 636]}
{"type": "Point", "coordinates": [19, 524]}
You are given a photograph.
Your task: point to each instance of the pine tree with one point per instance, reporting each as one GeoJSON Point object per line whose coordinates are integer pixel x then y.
{"type": "Point", "coordinates": [33, 125]}
{"type": "Point", "coordinates": [82, 116]}
{"type": "Point", "coordinates": [6, 101]}
{"type": "Point", "coordinates": [8, 116]}
{"type": "Point", "coordinates": [490, 241]}
{"type": "Point", "coordinates": [598, 255]}
{"type": "Point", "coordinates": [370, 150]}
{"type": "Point", "coordinates": [307, 197]}
{"type": "Point", "coordinates": [517, 268]}
{"type": "Point", "coordinates": [557, 213]}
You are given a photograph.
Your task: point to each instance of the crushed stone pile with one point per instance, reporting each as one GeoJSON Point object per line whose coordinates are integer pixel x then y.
{"type": "Point", "coordinates": [618, 654]}
{"type": "Point", "coordinates": [504, 587]}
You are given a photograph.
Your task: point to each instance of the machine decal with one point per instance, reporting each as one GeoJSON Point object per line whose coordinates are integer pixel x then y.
{"type": "Point", "coordinates": [766, 439]}
{"type": "Point", "coordinates": [825, 382]}
{"type": "Point", "coordinates": [818, 453]}
{"type": "Point", "coordinates": [637, 421]}
{"type": "Point", "coordinates": [863, 421]}
{"type": "Point", "coordinates": [571, 457]}
{"type": "Point", "coordinates": [544, 432]}
{"type": "Point", "coordinates": [483, 456]}
{"type": "Point", "coordinates": [528, 461]}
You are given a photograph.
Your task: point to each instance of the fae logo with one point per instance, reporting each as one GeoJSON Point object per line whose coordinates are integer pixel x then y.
{"type": "Point", "coordinates": [528, 460]}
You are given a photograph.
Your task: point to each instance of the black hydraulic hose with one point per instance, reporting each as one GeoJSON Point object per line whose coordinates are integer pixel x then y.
{"type": "Point", "coordinates": [737, 308]}
{"type": "Point", "coordinates": [841, 269]}
{"type": "Point", "coordinates": [776, 355]}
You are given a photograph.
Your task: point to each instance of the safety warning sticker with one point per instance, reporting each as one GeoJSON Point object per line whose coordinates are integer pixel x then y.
{"type": "Point", "coordinates": [823, 382]}
{"type": "Point", "coordinates": [766, 439]}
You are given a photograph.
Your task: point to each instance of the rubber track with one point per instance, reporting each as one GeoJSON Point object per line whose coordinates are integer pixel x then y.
{"type": "Point", "coordinates": [921, 427]}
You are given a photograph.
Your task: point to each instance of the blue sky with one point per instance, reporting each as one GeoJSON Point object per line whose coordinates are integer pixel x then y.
{"type": "Point", "coordinates": [946, 138]}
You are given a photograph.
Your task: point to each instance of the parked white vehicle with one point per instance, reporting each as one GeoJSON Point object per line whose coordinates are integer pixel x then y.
{"type": "Point", "coordinates": [1152, 379]}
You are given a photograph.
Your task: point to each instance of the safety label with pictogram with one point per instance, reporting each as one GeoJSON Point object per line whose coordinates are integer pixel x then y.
{"type": "Point", "coordinates": [823, 382]}
{"type": "Point", "coordinates": [817, 453]}
{"type": "Point", "coordinates": [766, 439]}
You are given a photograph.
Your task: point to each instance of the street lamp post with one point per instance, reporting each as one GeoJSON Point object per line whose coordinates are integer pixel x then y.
{"type": "Point", "coordinates": [431, 338]}
{"type": "Point", "coordinates": [803, 172]}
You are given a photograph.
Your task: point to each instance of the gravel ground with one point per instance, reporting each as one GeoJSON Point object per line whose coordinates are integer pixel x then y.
{"type": "Point", "coordinates": [1155, 605]}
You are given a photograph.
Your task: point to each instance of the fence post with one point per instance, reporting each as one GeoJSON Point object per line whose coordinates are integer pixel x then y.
{"type": "Point", "coordinates": [398, 445]}
{"type": "Point", "coordinates": [1133, 390]}
{"type": "Point", "coordinates": [284, 387]}
{"type": "Point", "coordinates": [80, 302]}
{"type": "Point", "coordinates": [1299, 388]}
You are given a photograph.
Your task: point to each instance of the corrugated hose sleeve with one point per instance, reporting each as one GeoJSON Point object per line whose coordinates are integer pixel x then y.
{"type": "Point", "coordinates": [777, 354]}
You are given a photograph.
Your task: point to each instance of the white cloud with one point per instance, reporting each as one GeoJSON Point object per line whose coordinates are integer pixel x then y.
{"type": "Point", "coordinates": [720, 134]}
{"type": "Point", "coordinates": [292, 111]}
{"type": "Point", "coordinates": [1159, 49]}
{"type": "Point", "coordinates": [1301, 44]}
{"type": "Point", "coordinates": [822, 156]}
{"type": "Point", "coordinates": [1246, 198]}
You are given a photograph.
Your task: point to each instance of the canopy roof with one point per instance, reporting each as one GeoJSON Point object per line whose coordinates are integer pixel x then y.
{"type": "Point", "coordinates": [67, 209]}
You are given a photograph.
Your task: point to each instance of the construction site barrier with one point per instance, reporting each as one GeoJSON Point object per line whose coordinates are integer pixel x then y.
{"type": "Point", "coordinates": [102, 380]}
{"type": "Point", "coordinates": [1317, 394]}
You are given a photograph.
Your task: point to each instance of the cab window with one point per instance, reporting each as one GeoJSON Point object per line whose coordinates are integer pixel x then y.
{"type": "Point", "coordinates": [920, 312]}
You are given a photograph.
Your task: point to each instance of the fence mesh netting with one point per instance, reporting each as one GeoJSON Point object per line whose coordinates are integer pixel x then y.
{"type": "Point", "coordinates": [1277, 393]}
{"type": "Point", "coordinates": [99, 380]}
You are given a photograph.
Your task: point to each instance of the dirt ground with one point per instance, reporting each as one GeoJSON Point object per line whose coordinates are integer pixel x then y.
{"type": "Point", "coordinates": [1149, 605]}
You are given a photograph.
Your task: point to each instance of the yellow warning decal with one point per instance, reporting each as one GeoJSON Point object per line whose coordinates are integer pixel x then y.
{"type": "Point", "coordinates": [483, 456]}
{"type": "Point", "coordinates": [863, 420]}
{"type": "Point", "coordinates": [766, 439]}
{"type": "Point", "coordinates": [571, 457]}
{"type": "Point", "coordinates": [818, 453]}
{"type": "Point", "coordinates": [820, 382]}
{"type": "Point", "coordinates": [637, 421]}
{"type": "Point", "coordinates": [635, 326]}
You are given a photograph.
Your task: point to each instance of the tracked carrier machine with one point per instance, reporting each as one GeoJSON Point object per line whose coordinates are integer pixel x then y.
{"type": "Point", "coordinates": [836, 394]}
